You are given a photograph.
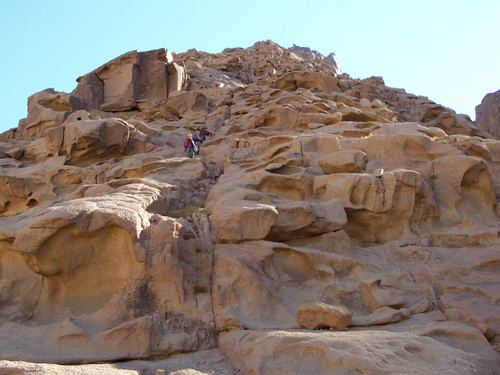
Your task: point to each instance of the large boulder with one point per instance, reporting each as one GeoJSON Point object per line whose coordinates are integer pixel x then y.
{"type": "Point", "coordinates": [374, 296]}
{"type": "Point", "coordinates": [87, 141]}
{"type": "Point", "coordinates": [344, 161]}
{"type": "Point", "coordinates": [243, 221]}
{"type": "Point", "coordinates": [488, 114]}
{"type": "Point", "coordinates": [47, 109]}
{"type": "Point", "coordinates": [90, 88]}
{"type": "Point", "coordinates": [378, 208]}
{"type": "Point", "coordinates": [315, 315]}
{"type": "Point", "coordinates": [312, 81]}
{"type": "Point", "coordinates": [131, 80]}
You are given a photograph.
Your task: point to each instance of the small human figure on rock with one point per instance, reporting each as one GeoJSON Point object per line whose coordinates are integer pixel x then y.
{"type": "Point", "coordinates": [189, 146]}
{"type": "Point", "coordinates": [197, 141]}
{"type": "Point", "coordinates": [204, 133]}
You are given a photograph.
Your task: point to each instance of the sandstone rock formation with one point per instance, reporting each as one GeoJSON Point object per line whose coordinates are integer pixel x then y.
{"type": "Point", "coordinates": [488, 114]}
{"type": "Point", "coordinates": [321, 201]}
{"type": "Point", "coordinates": [321, 315]}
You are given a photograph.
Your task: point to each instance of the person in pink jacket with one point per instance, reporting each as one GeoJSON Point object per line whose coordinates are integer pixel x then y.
{"type": "Point", "coordinates": [189, 146]}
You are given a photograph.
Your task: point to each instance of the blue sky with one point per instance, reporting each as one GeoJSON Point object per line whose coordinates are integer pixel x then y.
{"type": "Point", "coordinates": [448, 51]}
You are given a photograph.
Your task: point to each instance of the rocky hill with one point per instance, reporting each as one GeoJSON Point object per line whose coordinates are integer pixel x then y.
{"type": "Point", "coordinates": [329, 225]}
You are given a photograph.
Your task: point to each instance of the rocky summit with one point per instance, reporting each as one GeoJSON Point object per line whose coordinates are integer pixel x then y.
{"type": "Point", "coordinates": [326, 224]}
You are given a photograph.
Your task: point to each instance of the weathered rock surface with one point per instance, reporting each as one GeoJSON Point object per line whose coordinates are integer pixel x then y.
{"type": "Point", "coordinates": [375, 297]}
{"type": "Point", "coordinates": [198, 363]}
{"type": "Point", "coordinates": [320, 201]}
{"type": "Point", "coordinates": [315, 315]}
{"type": "Point", "coordinates": [420, 349]}
{"type": "Point", "coordinates": [488, 114]}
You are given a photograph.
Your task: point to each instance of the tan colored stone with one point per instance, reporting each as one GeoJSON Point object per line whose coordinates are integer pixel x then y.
{"type": "Point", "coordinates": [374, 296]}
{"type": "Point", "coordinates": [91, 89]}
{"type": "Point", "coordinates": [487, 331]}
{"type": "Point", "coordinates": [408, 107]}
{"type": "Point", "coordinates": [184, 103]}
{"type": "Point", "coordinates": [202, 362]}
{"type": "Point", "coordinates": [118, 78]}
{"type": "Point", "coordinates": [307, 80]}
{"type": "Point", "coordinates": [420, 307]}
{"type": "Point", "coordinates": [406, 151]}
{"type": "Point", "coordinates": [367, 196]}
{"type": "Point", "coordinates": [343, 161]}
{"type": "Point", "coordinates": [298, 219]}
{"type": "Point", "coordinates": [488, 114]}
{"type": "Point", "coordinates": [84, 142]}
{"type": "Point", "coordinates": [410, 128]}
{"type": "Point", "coordinates": [131, 79]}
{"type": "Point", "coordinates": [365, 103]}
{"type": "Point", "coordinates": [315, 315]}
{"type": "Point", "coordinates": [47, 109]}
{"type": "Point", "coordinates": [243, 222]}
{"type": "Point", "coordinates": [383, 352]}
{"type": "Point", "coordinates": [115, 246]}
{"type": "Point", "coordinates": [176, 77]}
{"type": "Point", "coordinates": [463, 189]}
{"type": "Point", "coordinates": [381, 316]}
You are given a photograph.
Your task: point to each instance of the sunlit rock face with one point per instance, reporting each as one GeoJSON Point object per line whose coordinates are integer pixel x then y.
{"type": "Point", "coordinates": [488, 114]}
{"type": "Point", "coordinates": [328, 224]}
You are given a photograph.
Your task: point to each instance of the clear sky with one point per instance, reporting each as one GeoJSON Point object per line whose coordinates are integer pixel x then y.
{"type": "Point", "coordinates": [446, 50]}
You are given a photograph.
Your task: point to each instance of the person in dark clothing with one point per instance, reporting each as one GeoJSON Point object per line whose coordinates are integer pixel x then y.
{"type": "Point", "coordinates": [204, 133]}
{"type": "Point", "coordinates": [197, 141]}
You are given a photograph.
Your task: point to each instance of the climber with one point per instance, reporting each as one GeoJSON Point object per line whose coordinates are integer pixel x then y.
{"type": "Point", "coordinates": [197, 141]}
{"type": "Point", "coordinates": [205, 133]}
{"type": "Point", "coordinates": [189, 146]}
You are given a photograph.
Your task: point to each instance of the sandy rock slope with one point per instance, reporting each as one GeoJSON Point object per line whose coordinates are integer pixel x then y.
{"type": "Point", "coordinates": [329, 225]}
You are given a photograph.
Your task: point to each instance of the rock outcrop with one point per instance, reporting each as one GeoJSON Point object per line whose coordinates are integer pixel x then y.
{"type": "Point", "coordinates": [488, 114]}
{"type": "Point", "coordinates": [321, 315]}
{"type": "Point", "coordinates": [329, 225]}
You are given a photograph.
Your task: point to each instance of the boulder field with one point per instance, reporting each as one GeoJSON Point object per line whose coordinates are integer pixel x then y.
{"type": "Point", "coordinates": [329, 225]}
